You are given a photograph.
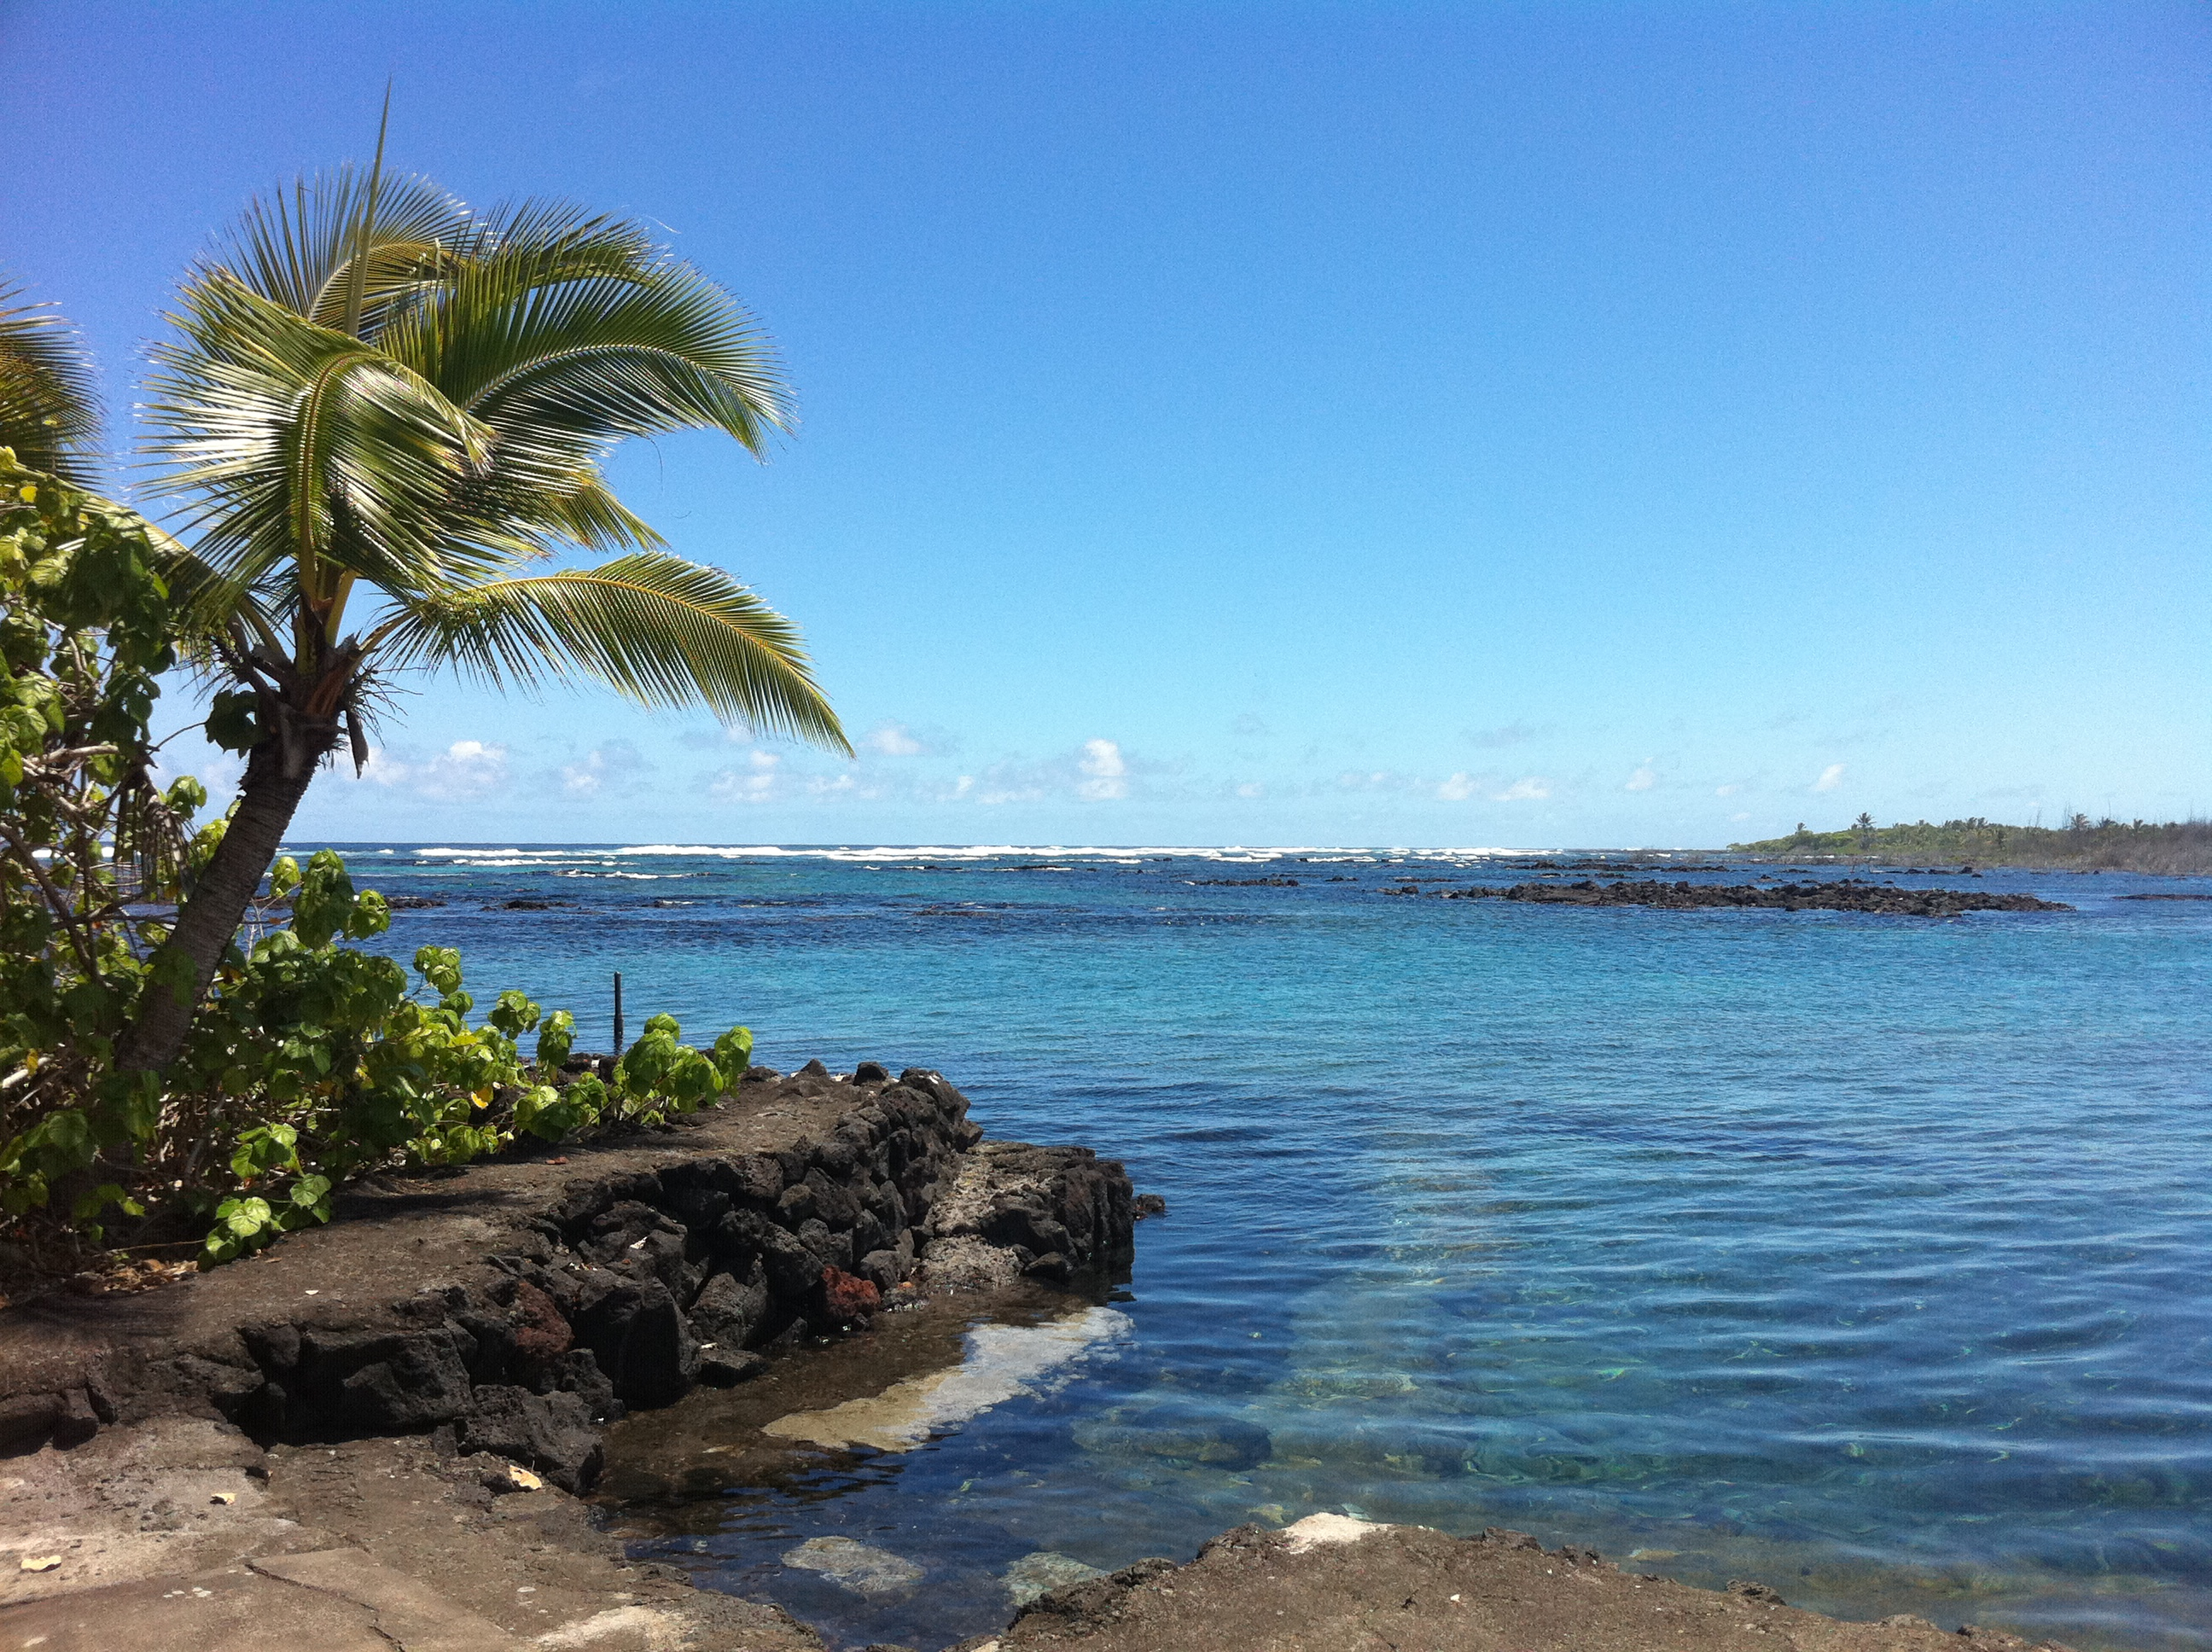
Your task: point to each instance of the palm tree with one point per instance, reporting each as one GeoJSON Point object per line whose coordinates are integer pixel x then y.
{"type": "Point", "coordinates": [378, 409]}
{"type": "Point", "coordinates": [48, 411]}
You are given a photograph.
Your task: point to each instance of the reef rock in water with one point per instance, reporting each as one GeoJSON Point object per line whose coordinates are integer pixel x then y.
{"type": "Point", "coordinates": [854, 1565]}
{"type": "Point", "coordinates": [1041, 1573]}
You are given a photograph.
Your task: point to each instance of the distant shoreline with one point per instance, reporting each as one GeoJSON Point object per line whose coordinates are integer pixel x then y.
{"type": "Point", "coordinates": [2168, 848]}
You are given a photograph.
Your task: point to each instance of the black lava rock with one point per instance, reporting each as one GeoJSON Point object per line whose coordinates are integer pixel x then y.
{"type": "Point", "coordinates": [554, 1434]}
{"type": "Point", "coordinates": [725, 1368]}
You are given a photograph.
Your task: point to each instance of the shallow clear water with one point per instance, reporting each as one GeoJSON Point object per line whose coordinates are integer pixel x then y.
{"type": "Point", "coordinates": [1867, 1256]}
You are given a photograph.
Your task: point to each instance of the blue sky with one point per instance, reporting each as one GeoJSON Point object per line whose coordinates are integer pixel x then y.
{"type": "Point", "coordinates": [1486, 424]}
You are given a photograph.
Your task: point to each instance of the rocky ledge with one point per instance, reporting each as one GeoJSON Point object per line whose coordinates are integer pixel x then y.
{"type": "Point", "coordinates": [1331, 1583]}
{"type": "Point", "coordinates": [1843, 895]}
{"type": "Point", "coordinates": [514, 1308]}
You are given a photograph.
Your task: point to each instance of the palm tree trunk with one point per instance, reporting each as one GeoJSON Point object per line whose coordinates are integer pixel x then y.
{"type": "Point", "coordinates": [267, 799]}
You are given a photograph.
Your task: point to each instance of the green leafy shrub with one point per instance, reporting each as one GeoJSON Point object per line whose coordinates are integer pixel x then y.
{"type": "Point", "coordinates": [86, 837]}
{"type": "Point", "coordinates": [371, 1071]}
{"type": "Point", "coordinates": [310, 1061]}
{"type": "Point", "coordinates": [315, 1061]}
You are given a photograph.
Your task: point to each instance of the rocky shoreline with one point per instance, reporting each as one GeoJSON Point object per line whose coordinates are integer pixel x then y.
{"type": "Point", "coordinates": [1841, 894]}
{"type": "Point", "coordinates": [1330, 1584]}
{"type": "Point", "coordinates": [536, 1303]}
{"type": "Point", "coordinates": [374, 1434]}
{"type": "Point", "coordinates": [311, 1436]}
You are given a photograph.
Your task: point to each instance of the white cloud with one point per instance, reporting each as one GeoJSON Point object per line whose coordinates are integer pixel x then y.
{"type": "Point", "coordinates": [1728, 791]}
{"type": "Point", "coordinates": [1377, 779]}
{"type": "Point", "coordinates": [1831, 778]}
{"type": "Point", "coordinates": [892, 740]}
{"type": "Point", "coordinates": [737, 785]}
{"type": "Point", "coordinates": [466, 769]}
{"type": "Point", "coordinates": [1098, 771]}
{"type": "Point", "coordinates": [586, 777]}
{"type": "Point", "coordinates": [1251, 789]}
{"type": "Point", "coordinates": [1457, 787]}
{"type": "Point", "coordinates": [1643, 780]}
{"type": "Point", "coordinates": [1108, 775]}
{"type": "Point", "coordinates": [1009, 782]}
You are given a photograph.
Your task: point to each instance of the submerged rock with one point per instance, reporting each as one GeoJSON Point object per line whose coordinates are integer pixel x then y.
{"type": "Point", "coordinates": [1841, 894]}
{"type": "Point", "coordinates": [1041, 1573]}
{"type": "Point", "coordinates": [1163, 1431]}
{"type": "Point", "coordinates": [854, 1566]}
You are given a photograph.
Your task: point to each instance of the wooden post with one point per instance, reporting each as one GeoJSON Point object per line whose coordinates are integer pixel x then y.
{"type": "Point", "coordinates": [618, 1016]}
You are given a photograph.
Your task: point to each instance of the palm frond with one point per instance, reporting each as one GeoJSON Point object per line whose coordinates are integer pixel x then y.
{"type": "Point", "coordinates": [373, 384]}
{"type": "Point", "coordinates": [564, 334]}
{"type": "Point", "coordinates": [655, 628]}
{"type": "Point", "coordinates": [299, 444]}
{"type": "Point", "coordinates": [584, 511]}
{"type": "Point", "coordinates": [296, 248]}
{"type": "Point", "coordinates": [548, 314]}
{"type": "Point", "coordinates": [49, 391]}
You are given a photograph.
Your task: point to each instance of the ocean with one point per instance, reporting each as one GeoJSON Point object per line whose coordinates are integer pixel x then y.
{"type": "Point", "coordinates": [1867, 1256]}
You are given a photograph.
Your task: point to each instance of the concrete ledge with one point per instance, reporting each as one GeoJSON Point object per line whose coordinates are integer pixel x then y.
{"type": "Point", "coordinates": [402, 1609]}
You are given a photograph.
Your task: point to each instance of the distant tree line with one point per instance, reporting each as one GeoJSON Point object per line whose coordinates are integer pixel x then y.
{"type": "Point", "coordinates": [2182, 847]}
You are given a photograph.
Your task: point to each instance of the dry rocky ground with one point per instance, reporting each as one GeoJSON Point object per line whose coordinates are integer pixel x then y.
{"type": "Point", "coordinates": [181, 1533]}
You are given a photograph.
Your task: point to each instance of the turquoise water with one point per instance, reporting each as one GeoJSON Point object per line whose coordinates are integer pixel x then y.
{"type": "Point", "coordinates": [1867, 1256]}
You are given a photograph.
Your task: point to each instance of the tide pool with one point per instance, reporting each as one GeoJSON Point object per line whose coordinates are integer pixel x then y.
{"type": "Point", "coordinates": [1866, 1256]}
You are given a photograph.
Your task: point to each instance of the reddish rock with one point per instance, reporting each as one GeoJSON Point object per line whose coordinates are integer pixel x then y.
{"type": "Point", "coordinates": [847, 1297]}
{"type": "Point", "coordinates": [540, 1332]}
